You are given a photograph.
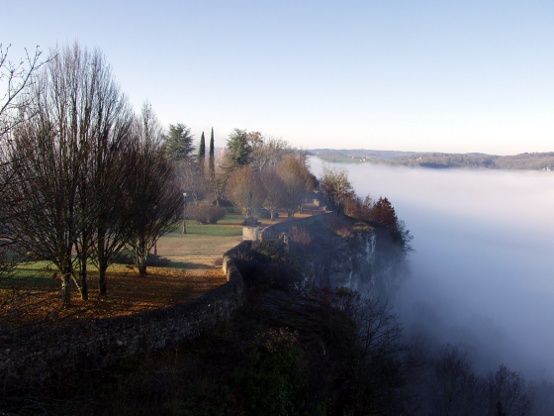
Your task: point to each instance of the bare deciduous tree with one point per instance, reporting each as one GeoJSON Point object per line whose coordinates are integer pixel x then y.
{"type": "Point", "coordinates": [15, 79]}
{"type": "Point", "coordinates": [193, 184]}
{"type": "Point", "coordinates": [109, 173]}
{"type": "Point", "coordinates": [153, 196]}
{"type": "Point", "coordinates": [455, 388]}
{"type": "Point", "coordinates": [507, 393]}
{"type": "Point", "coordinates": [63, 162]}
{"type": "Point", "coordinates": [191, 180]}
{"type": "Point", "coordinates": [336, 189]}
{"type": "Point", "coordinates": [48, 158]}
{"type": "Point", "coordinates": [274, 191]}
{"type": "Point", "coordinates": [267, 152]}
{"type": "Point", "coordinates": [245, 189]}
{"type": "Point", "coordinates": [297, 181]}
{"type": "Point", "coordinates": [112, 225]}
{"type": "Point", "coordinates": [43, 192]}
{"type": "Point", "coordinates": [104, 119]}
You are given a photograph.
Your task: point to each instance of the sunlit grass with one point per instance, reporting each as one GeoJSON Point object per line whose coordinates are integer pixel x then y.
{"type": "Point", "coordinates": [229, 226]}
{"type": "Point", "coordinates": [214, 230]}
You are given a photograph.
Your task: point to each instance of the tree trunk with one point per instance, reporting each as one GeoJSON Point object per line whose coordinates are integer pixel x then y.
{"type": "Point", "coordinates": [272, 215]}
{"type": "Point", "coordinates": [141, 264]}
{"type": "Point", "coordinates": [83, 279]}
{"type": "Point", "coordinates": [141, 257]}
{"type": "Point", "coordinates": [102, 281]}
{"type": "Point", "coordinates": [141, 251]}
{"type": "Point", "coordinates": [102, 260]}
{"type": "Point", "coordinates": [66, 288]}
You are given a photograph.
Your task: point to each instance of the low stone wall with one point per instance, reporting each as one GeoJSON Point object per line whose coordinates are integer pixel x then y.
{"type": "Point", "coordinates": [34, 357]}
{"type": "Point", "coordinates": [273, 231]}
{"type": "Point", "coordinates": [228, 266]}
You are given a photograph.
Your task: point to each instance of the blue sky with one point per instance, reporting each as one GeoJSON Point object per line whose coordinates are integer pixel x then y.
{"type": "Point", "coordinates": [406, 75]}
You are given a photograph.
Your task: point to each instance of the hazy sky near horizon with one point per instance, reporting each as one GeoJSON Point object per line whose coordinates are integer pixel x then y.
{"type": "Point", "coordinates": [403, 75]}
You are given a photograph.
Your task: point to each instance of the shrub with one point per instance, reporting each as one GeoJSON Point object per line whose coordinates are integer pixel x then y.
{"type": "Point", "coordinates": [273, 377]}
{"type": "Point", "coordinates": [206, 214]}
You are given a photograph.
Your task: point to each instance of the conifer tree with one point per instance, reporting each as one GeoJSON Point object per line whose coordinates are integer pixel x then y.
{"type": "Point", "coordinates": [202, 154]}
{"type": "Point", "coordinates": [178, 142]}
{"type": "Point", "coordinates": [211, 166]}
{"type": "Point", "coordinates": [238, 150]}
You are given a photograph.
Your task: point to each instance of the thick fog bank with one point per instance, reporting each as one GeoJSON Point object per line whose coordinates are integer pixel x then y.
{"type": "Point", "coordinates": [482, 269]}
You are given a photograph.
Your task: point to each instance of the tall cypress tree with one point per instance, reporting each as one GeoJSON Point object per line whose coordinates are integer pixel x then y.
{"type": "Point", "coordinates": [202, 154]}
{"type": "Point", "coordinates": [211, 165]}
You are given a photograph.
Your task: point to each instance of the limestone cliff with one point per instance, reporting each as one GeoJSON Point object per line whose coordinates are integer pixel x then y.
{"type": "Point", "coordinates": [332, 251]}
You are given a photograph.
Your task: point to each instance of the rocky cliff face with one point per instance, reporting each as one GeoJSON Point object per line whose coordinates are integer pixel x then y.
{"type": "Point", "coordinates": [343, 257]}
{"type": "Point", "coordinates": [332, 251]}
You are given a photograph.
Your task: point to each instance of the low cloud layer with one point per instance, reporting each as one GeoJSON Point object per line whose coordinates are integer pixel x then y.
{"type": "Point", "coordinates": [482, 270]}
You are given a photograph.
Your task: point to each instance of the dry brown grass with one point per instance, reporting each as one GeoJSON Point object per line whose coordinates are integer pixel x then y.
{"type": "Point", "coordinates": [127, 294]}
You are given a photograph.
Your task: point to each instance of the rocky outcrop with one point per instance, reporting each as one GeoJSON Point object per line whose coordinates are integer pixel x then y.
{"type": "Point", "coordinates": [334, 251]}
{"type": "Point", "coordinates": [349, 264]}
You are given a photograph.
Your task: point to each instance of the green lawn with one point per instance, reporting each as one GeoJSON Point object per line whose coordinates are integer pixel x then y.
{"type": "Point", "coordinates": [203, 244]}
{"type": "Point", "coordinates": [200, 247]}
{"type": "Point", "coordinates": [31, 274]}
{"type": "Point", "coordinates": [214, 230]}
{"type": "Point", "coordinates": [227, 227]}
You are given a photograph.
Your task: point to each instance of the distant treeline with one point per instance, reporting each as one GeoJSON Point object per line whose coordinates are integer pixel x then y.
{"type": "Point", "coordinates": [523, 161]}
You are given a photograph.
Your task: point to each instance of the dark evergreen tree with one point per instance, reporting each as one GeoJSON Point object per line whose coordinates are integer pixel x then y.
{"type": "Point", "coordinates": [238, 148]}
{"type": "Point", "coordinates": [211, 165]}
{"type": "Point", "coordinates": [178, 142]}
{"type": "Point", "coordinates": [202, 154]}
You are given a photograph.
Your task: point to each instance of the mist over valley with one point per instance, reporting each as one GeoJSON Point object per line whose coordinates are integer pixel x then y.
{"type": "Point", "coordinates": [481, 269]}
{"type": "Point", "coordinates": [191, 223]}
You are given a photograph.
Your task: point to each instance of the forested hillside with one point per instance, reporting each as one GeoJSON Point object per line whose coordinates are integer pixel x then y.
{"type": "Point", "coordinates": [524, 161]}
